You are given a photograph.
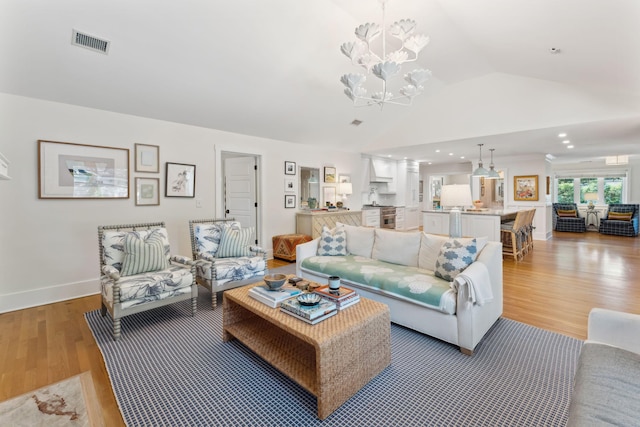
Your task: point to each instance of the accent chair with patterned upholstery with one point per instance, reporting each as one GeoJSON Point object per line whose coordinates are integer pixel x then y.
{"type": "Point", "coordinates": [225, 255]}
{"type": "Point", "coordinates": [621, 220]}
{"type": "Point", "coordinates": [138, 272]}
{"type": "Point", "coordinates": [567, 218]}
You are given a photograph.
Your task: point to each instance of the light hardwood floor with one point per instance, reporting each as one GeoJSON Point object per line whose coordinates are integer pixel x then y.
{"type": "Point", "coordinates": [553, 288]}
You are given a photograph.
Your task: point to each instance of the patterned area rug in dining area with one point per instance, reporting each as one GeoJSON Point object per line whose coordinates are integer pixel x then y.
{"type": "Point", "coordinates": [71, 402]}
{"type": "Point", "coordinates": [173, 369]}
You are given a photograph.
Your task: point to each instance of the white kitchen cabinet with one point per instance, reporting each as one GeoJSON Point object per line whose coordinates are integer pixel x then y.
{"type": "Point", "coordinates": [4, 167]}
{"type": "Point", "coordinates": [473, 224]}
{"type": "Point", "coordinates": [371, 217]}
{"type": "Point", "coordinates": [400, 219]}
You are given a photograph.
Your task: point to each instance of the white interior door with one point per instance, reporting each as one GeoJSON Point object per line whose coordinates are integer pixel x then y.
{"type": "Point", "coordinates": [240, 199]}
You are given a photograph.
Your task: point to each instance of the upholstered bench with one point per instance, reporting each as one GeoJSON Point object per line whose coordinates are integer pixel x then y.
{"type": "Point", "coordinates": [284, 245]}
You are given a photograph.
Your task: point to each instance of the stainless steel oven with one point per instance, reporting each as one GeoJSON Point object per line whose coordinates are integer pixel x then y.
{"type": "Point", "coordinates": [388, 217]}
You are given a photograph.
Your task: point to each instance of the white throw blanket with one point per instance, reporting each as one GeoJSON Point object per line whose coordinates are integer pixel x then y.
{"type": "Point", "coordinates": [478, 284]}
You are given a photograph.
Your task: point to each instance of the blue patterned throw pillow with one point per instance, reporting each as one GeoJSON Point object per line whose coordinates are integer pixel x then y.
{"type": "Point", "coordinates": [454, 257]}
{"type": "Point", "coordinates": [332, 243]}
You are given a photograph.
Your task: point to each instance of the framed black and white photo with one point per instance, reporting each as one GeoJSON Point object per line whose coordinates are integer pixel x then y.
{"type": "Point", "coordinates": [289, 201]}
{"type": "Point", "coordinates": [289, 185]}
{"type": "Point", "coordinates": [289, 168]}
{"type": "Point", "coordinates": [180, 180]}
{"type": "Point", "coordinates": [78, 171]}
{"type": "Point", "coordinates": [147, 158]}
{"type": "Point", "coordinates": [147, 191]}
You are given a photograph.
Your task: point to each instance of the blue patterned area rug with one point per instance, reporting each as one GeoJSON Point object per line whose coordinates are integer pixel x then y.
{"type": "Point", "coordinates": [173, 369]}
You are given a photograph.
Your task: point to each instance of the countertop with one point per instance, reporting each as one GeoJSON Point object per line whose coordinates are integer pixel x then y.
{"type": "Point", "coordinates": [489, 212]}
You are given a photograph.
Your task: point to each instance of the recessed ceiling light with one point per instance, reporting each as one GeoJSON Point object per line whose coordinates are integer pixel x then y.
{"type": "Point", "coordinates": [569, 146]}
{"type": "Point", "coordinates": [405, 158]}
{"type": "Point", "coordinates": [451, 154]}
{"type": "Point", "coordinates": [566, 141]}
{"type": "Point", "coordinates": [429, 163]}
{"type": "Point", "coordinates": [437, 151]}
{"type": "Point", "coordinates": [562, 135]}
{"type": "Point", "coordinates": [462, 157]}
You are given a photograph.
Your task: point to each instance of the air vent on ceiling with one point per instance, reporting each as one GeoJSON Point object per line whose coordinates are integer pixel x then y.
{"type": "Point", "coordinates": [90, 42]}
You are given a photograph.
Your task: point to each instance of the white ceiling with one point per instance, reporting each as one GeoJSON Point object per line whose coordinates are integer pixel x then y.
{"type": "Point", "coordinates": [272, 69]}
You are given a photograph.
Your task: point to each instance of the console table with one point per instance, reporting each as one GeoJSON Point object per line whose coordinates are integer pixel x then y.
{"type": "Point", "coordinates": [591, 226]}
{"type": "Point", "coordinates": [311, 222]}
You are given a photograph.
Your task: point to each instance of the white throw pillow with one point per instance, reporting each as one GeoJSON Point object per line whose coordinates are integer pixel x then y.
{"type": "Point", "coordinates": [359, 239]}
{"type": "Point", "coordinates": [396, 247]}
{"type": "Point", "coordinates": [430, 248]}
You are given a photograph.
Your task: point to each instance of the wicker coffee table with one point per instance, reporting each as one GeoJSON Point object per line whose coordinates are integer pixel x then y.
{"type": "Point", "coordinates": [332, 359]}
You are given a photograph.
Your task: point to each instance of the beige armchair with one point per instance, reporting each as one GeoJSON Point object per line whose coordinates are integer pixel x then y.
{"type": "Point", "coordinates": [138, 273]}
{"type": "Point", "coordinates": [225, 255]}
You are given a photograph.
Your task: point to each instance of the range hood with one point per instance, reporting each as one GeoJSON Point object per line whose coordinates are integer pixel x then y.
{"type": "Point", "coordinates": [379, 171]}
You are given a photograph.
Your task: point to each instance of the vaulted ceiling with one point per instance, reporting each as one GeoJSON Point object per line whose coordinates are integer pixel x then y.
{"type": "Point", "coordinates": [272, 69]}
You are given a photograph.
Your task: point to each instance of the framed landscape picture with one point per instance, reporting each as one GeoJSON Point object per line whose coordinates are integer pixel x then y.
{"type": "Point", "coordinates": [525, 188]}
{"type": "Point", "coordinates": [329, 174]}
{"type": "Point", "coordinates": [180, 180]}
{"type": "Point", "coordinates": [147, 191]}
{"type": "Point", "coordinates": [79, 171]}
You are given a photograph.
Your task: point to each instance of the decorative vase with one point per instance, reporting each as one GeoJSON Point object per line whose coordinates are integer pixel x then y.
{"type": "Point", "coordinates": [312, 202]}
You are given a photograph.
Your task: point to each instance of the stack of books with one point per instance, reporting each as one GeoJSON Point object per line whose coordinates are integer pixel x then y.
{"type": "Point", "coordinates": [273, 298]}
{"type": "Point", "coordinates": [310, 314]}
{"type": "Point", "coordinates": [343, 297]}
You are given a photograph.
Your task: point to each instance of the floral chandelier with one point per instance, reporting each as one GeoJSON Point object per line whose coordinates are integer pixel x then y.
{"type": "Point", "coordinates": [385, 66]}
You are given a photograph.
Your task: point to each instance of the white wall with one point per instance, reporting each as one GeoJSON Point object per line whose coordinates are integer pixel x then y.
{"type": "Point", "coordinates": [49, 249]}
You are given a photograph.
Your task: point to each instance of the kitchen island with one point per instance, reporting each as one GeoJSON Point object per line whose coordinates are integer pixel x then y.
{"type": "Point", "coordinates": [311, 222]}
{"type": "Point", "coordinates": [475, 223]}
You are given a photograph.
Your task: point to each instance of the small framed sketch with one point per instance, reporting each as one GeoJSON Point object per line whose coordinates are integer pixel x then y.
{"type": "Point", "coordinates": [289, 185]}
{"type": "Point", "coordinates": [147, 191]}
{"type": "Point", "coordinates": [289, 168]}
{"type": "Point", "coordinates": [289, 201]}
{"type": "Point", "coordinates": [180, 180]}
{"type": "Point", "coordinates": [329, 174]}
{"type": "Point", "coordinates": [525, 188]}
{"type": "Point", "coordinates": [147, 158]}
{"type": "Point", "coordinates": [344, 178]}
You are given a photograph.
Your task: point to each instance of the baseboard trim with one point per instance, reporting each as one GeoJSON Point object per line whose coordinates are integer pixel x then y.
{"type": "Point", "coordinates": [48, 295]}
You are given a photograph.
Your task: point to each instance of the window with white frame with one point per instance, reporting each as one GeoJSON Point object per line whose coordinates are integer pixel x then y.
{"type": "Point", "coordinates": [610, 186]}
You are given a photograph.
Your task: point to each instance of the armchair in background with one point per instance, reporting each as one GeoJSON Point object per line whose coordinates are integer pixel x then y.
{"type": "Point", "coordinates": [621, 220]}
{"type": "Point", "coordinates": [225, 255]}
{"type": "Point", "coordinates": [138, 272]}
{"type": "Point", "coordinates": [566, 218]}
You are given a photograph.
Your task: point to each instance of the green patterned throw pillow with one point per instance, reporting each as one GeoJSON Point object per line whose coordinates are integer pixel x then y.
{"type": "Point", "coordinates": [332, 242]}
{"type": "Point", "coordinates": [235, 242]}
{"type": "Point", "coordinates": [142, 256]}
{"type": "Point", "coordinates": [454, 257]}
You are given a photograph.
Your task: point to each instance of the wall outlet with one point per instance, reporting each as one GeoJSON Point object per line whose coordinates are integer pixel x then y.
{"type": "Point", "coordinates": [198, 203]}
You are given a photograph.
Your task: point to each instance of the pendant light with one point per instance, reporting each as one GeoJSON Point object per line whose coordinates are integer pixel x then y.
{"type": "Point", "coordinates": [480, 171]}
{"type": "Point", "coordinates": [492, 172]}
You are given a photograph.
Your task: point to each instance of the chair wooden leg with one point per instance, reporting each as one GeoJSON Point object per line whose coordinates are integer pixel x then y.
{"type": "Point", "coordinates": [214, 299]}
{"type": "Point", "coordinates": [194, 306]}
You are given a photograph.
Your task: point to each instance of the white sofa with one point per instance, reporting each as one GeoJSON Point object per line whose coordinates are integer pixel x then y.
{"type": "Point", "coordinates": [607, 380]}
{"type": "Point", "coordinates": [397, 268]}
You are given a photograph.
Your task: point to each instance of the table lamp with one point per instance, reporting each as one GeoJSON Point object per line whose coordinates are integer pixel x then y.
{"type": "Point", "coordinates": [455, 196]}
{"type": "Point", "coordinates": [591, 197]}
{"type": "Point", "coordinates": [345, 188]}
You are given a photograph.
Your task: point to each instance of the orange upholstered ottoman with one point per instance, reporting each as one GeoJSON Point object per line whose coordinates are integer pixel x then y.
{"type": "Point", "coordinates": [284, 245]}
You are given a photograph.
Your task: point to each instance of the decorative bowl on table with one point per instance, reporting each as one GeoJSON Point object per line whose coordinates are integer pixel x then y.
{"type": "Point", "coordinates": [309, 299]}
{"type": "Point", "coordinates": [478, 204]}
{"type": "Point", "coordinates": [275, 281]}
